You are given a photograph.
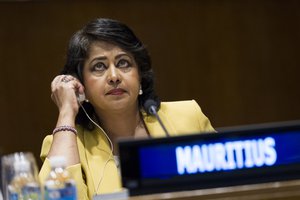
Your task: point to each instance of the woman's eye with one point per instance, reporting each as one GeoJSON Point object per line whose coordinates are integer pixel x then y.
{"type": "Point", "coordinates": [123, 63]}
{"type": "Point", "coordinates": [99, 67]}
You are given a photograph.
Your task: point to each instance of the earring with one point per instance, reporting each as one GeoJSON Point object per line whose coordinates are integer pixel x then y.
{"type": "Point", "coordinates": [140, 91]}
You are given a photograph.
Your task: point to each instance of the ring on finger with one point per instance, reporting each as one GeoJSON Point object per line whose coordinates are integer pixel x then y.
{"type": "Point", "coordinates": [65, 79]}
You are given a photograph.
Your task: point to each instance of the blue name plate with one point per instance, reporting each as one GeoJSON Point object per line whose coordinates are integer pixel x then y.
{"type": "Point", "coordinates": [251, 154]}
{"type": "Point", "coordinates": [245, 152]}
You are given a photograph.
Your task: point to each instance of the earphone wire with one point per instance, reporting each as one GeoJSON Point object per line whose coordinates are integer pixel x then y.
{"type": "Point", "coordinates": [111, 147]}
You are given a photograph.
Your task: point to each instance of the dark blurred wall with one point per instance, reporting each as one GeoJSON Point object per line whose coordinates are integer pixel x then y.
{"type": "Point", "coordinates": [238, 59]}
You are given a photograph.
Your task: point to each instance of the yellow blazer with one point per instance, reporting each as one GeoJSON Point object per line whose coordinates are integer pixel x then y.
{"type": "Point", "coordinates": [97, 173]}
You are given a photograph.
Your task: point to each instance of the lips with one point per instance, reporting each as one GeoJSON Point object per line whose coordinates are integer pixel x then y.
{"type": "Point", "coordinates": [116, 91]}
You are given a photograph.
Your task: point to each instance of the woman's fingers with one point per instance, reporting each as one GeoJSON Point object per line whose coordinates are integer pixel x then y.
{"type": "Point", "coordinates": [64, 80]}
{"type": "Point", "coordinates": [64, 89]}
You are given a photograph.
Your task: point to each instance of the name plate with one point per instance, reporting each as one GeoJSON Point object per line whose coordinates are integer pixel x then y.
{"type": "Point", "coordinates": [246, 155]}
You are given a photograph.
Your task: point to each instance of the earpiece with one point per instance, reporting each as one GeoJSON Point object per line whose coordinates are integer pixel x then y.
{"type": "Point", "coordinates": [80, 98]}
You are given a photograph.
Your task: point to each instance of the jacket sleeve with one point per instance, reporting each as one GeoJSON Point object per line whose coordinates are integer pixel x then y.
{"type": "Point", "coordinates": [74, 170]}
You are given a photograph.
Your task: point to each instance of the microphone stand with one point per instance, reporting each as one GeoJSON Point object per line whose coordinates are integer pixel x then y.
{"type": "Point", "coordinates": [153, 111]}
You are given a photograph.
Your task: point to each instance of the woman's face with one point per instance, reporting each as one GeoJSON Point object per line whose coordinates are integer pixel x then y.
{"type": "Point", "coordinates": [111, 77]}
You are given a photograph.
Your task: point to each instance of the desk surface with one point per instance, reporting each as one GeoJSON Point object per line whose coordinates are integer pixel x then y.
{"type": "Point", "coordinates": [284, 190]}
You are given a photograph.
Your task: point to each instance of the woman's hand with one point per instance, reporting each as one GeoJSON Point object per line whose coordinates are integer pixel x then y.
{"type": "Point", "coordinates": [64, 89]}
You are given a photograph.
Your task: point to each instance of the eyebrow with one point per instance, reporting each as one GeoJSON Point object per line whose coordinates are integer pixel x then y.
{"type": "Point", "coordinates": [104, 57]}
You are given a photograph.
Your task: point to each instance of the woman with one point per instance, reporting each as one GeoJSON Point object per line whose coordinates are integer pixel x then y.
{"type": "Point", "coordinates": [108, 63]}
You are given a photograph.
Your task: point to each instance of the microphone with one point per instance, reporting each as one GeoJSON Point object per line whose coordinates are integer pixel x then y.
{"type": "Point", "coordinates": [150, 107]}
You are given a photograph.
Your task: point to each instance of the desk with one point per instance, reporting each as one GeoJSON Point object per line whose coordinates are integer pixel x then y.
{"type": "Point", "coordinates": [283, 190]}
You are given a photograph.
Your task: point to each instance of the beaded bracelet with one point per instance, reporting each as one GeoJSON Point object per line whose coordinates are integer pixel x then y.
{"type": "Point", "coordinates": [65, 128]}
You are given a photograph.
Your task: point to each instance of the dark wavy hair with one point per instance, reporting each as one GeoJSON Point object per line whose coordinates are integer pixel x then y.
{"type": "Point", "coordinates": [117, 33]}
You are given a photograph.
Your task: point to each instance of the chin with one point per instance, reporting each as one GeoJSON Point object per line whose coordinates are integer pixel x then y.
{"type": "Point", "coordinates": [119, 104]}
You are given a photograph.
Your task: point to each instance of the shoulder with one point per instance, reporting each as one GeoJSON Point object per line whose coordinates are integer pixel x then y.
{"type": "Point", "coordinates": [187, 108]}
{"type": "Point", "coordinates": [180, 106]}
{"type": "Point", "coordinates": [186, 115]}
{"type": "Point", "coordinates": [46, 146]}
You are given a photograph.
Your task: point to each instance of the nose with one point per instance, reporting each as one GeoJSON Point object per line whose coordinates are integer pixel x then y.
{"type": "Point", "coordinates": [113, 75]}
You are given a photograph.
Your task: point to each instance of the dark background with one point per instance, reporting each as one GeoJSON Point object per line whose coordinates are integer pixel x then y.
{"type": "Point", "coordinates": [238, 59]}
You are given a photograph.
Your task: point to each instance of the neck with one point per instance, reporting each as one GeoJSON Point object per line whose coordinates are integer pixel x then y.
{"type": "Point", "coordinates": [121, 123]}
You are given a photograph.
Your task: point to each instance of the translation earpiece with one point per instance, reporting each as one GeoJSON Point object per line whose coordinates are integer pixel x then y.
{"type": "Point", "coordinates": [80, 98]}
